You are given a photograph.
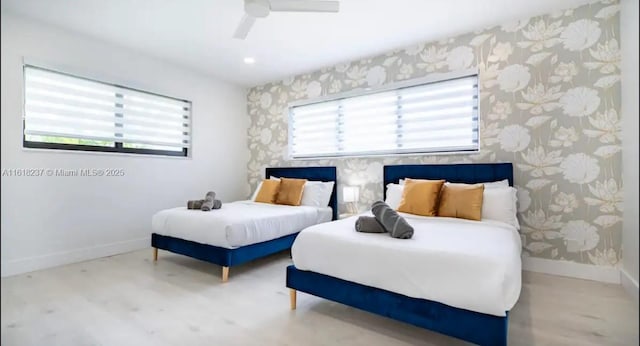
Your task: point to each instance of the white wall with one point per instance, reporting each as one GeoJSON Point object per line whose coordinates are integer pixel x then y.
{"type": "Point", "coordinates": [57, 220]}
{"type": "Point", "coordinates": [630, 135]}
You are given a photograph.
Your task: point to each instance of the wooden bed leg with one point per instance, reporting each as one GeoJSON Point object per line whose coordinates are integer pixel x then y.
{"type": "Point", "coordinates": [292, 297]}
{"type": "Point", "coordinates": [155, 254]}
{"type": "Point", "coordinates": [225, 274]}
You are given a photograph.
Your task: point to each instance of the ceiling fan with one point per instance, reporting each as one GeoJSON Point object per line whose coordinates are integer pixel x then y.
{"type": "Point", "coordinates": [261, 8]}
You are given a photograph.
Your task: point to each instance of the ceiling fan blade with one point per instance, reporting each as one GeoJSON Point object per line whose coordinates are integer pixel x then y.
{"type": "Point", "coordinates": [243, 28]}
{"type": "Point", "coordinates": [304, 6]}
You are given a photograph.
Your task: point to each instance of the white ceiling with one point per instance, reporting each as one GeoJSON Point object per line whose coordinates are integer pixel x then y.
{"type": "Point", "coordinates": [197, 33]}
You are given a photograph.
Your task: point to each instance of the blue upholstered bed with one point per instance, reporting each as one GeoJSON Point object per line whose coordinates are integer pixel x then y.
{"type": "Point", "coordinates": [479, 328]}
{"type": "Point", "coordinates": [232, 257]}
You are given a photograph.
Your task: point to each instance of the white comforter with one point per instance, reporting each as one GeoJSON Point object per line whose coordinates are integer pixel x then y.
{"type": "Point", "coordinates": [237, 224]}
{"type": "Point", "coordinates": [473, 265]}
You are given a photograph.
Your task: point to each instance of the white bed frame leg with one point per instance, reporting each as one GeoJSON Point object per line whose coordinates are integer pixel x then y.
{"type": "Point", "coordinates": [155, 254]}
{"type": "Point", "coordinates": [225, 274]}
{"type": "Point", "coordinates": [292, 298]}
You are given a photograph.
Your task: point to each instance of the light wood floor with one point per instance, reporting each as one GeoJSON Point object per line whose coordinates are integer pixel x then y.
{"type": "Point", "coordinates": [129, 300]}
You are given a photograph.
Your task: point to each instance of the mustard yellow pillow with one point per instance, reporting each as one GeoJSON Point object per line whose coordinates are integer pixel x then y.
{"type": "Point", "coordinates": [420, 197]}
{"type": "Point", "coordinates": [290, 191]}
{"type": "Point", "coordinates": [268, 192]}
{"type": "Point", "coordinates": [463, 201]}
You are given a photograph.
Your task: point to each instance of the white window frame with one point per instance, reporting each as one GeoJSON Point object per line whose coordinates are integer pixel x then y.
{"type": "Point", "coordinates": [432, 78]}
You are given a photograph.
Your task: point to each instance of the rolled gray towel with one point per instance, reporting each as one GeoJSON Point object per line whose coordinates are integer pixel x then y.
{"type": "Point", "coordinates": [217, 204]}
{"type": "Point", "coordinates": [208, 201]}
{"type": "Point", "coordinates": [195, 204]}
{"type": "Point", "coordinates": [369, 224]}
{"type": "Point", "coordinates": [395, 224]}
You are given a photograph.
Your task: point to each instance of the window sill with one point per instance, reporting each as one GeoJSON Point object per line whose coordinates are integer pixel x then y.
{"type": "Point", "coordinates": [364, 156]}
{"type": "Point", "coordinates": [118, 154]}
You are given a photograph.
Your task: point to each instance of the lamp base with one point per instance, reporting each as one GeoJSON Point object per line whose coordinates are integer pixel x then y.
{"type": "Point", "coordinates": [352, 208]}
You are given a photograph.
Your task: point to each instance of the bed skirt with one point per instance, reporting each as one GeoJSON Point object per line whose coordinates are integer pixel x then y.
{"type": "Point", "coordinates": [479, 328]}
{"type": "Point", "coordinates": [219, 255]}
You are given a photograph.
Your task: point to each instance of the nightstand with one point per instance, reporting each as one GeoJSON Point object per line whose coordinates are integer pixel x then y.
{"type": "Point", "coordinates": [345, 215]}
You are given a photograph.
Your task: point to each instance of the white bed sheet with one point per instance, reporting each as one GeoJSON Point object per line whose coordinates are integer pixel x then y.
{"type": "Point", "coordinates": [238, 223]}
{"type": "Point", "coordinates": [473, 265]}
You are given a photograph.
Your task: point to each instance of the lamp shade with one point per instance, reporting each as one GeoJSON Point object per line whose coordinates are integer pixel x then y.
{"type": "Point", "coordinates": [350, 194]}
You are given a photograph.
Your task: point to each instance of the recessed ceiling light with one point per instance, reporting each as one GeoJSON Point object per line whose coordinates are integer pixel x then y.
{"type": "Point", "coordinates": [249, 60]}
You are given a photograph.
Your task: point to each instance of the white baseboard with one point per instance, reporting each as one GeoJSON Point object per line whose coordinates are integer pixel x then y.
{"type": "Point", "coordinates": [572, 269]}
{"type": "Point", "coordinates": [25, 265]}
{"type": "Point", "coordinates": [630, 285]}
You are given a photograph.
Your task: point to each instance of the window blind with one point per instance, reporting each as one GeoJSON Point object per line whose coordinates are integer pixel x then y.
{"type": "Point", "coordinates": [63, 106]}
{"type": "Point", "coordinates": [427, 118]}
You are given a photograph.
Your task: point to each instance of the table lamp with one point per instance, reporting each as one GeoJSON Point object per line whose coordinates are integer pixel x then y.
{"type": "Point", "coordinates": [350, 196]}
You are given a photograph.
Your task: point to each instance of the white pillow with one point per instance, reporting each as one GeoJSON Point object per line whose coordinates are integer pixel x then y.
{"type": "Point", "coordinates": [317, 193]}
{"type": "Point", "coordinates": [496, 184]}
{"type": "Point", "coordinates": [394, 195]}
{"type": "Point", "coordinates": [515, 208]}
{"type": "Point", "coordinates": [499, 204]}
{"type": "Point", "coordinates": [255, 193]}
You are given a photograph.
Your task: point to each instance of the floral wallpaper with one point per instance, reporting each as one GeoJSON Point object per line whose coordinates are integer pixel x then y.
{"type": "Point", "coordinates": [549, 102]}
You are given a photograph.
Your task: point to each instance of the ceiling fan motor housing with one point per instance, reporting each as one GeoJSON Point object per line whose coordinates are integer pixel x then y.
{"type": "Point", "coordinates": [257, 8]}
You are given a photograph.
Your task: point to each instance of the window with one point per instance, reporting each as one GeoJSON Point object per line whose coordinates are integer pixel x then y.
{"type": "Point", "coordinates": [67, 112]}
{"type": "Point", "coordinates": [431, 117]}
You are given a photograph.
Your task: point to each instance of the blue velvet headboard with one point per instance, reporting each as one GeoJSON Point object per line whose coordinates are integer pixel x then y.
{"type": "Point", "coordinates": [470, 173]}
{"type": "Point", "coordinates": [309, 173]}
